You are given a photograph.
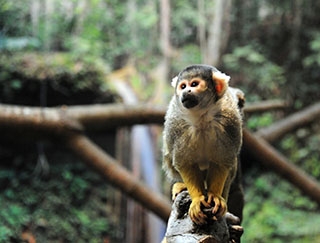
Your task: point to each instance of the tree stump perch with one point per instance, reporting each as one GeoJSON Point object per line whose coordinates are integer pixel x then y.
{"type": "Point", "coordinates": [181, 229]}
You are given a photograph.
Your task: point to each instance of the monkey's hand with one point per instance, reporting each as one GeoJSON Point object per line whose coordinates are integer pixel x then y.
{"type": "Point", "coordinates": [195, 211]}
{"type": "Point", "coordinates": [220, 205]}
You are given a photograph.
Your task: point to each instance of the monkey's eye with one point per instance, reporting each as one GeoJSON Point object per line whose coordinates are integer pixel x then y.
{"type": "Point", "coordinates": [183, 86]}
{"type": "Point", "coordinates": [194, 84]}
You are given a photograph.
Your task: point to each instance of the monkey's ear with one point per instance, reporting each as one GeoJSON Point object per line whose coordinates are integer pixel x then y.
{"type": "Point", "coordinates": [238, 95]}
{"type": "Point", "coordinates": [221, 82]}
{"type": "Point", "coordinates": [174, 81]}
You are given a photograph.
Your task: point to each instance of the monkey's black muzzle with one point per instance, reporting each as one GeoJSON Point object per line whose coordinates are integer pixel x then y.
{"type": "Point", "coordinates": [189, 100]}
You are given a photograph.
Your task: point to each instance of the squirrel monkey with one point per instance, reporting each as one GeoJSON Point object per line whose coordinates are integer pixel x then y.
{"type": "Point", "coordinates": [202, 138]}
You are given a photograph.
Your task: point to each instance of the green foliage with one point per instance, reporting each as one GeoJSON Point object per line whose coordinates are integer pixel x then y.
{"type": "Point", "coordinates": [96, 29]}
{"type": "Point", "coordinates": [314, 57]}
{"type": "Point", "coordinates": [146, 17]}
{"type": "Point", "coordinates": [258, 121]}
{"type": "Point", "coordinates": [83, 48]}
{"type": "Point", "coordinates": [13, 18]}
{"type": "Point", "coordinates": [189, 54]}
{"type": "Point", "coordinates": [58, 66]}
{"type": "Point", "coordinates": [302, 148]}
{"type": "Point", "coordinates": [12, 215]}
{"type": "Point", "coordinates": [69, 206]}
{"type": "Point", "coordinates": [184, 23]}
{"type": "Point", "coordinates": [264, 77]}
{"type": "Point", "coordinates": [23, 75]}
{"type": "Point", "coordinates": [275, 210]}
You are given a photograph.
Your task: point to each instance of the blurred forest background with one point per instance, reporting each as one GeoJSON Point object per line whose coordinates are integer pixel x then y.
{"type": "Point", "coordinates": [55, 52]}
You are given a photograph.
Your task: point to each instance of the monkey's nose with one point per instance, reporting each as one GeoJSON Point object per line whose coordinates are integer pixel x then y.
{"type": "Point", "coordinates": [189, 100]}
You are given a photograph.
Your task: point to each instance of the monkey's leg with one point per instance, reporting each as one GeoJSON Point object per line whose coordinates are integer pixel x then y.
{"type": "Point", "coordinates": [177, 188]}
{"type": "Point", "coordinates": [193, 179]}
{"type": "Point", "coordinates": [217, 176]}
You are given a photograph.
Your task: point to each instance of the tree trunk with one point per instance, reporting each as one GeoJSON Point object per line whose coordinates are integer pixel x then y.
{"type": "Point", "coordinates": [34, 13]}
{"type": "Point", "coordinates": [49, 9]}
{"type": "Point", "coordinates": [226, 28]}
{"type": "Point", "coordinates": [202, 29]}
{"type": "Point", "coordinates": [296, 25]}
{"type": "Point", "coordinates": [216, 35]}
{"type": "Point", "coordinates": [165, 44]}
{"type": "Point", "coordinates": [132, 11]}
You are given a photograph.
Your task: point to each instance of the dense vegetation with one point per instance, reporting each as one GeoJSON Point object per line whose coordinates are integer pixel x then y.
{"type": "Point", "coordinates": [57, 76]}
{"type": "Point", "coordinates": [39, 201]}
{"type": "Point", "coordinates": [272, 51]}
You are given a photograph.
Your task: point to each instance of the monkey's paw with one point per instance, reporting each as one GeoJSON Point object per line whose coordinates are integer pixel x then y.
{"type": "Point", "coordinates": [220, 205]}
{"type": "Point", "coordinates": [177, 188]}
{"type": "Point", "coordinates": [195, 212]}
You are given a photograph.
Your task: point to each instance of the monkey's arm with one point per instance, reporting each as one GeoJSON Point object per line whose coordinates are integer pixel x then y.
{"type": "Point", "coordinates": [217, 180]}
{"type": "Point", "coordinates": [177, 188]}
{"type": "Point", "coordinates": [193, 179]}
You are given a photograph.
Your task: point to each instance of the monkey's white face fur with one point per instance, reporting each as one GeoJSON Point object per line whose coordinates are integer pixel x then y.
{"type": "Point", "coordinates": [217, 74]}
{"type": "Point", "coordinates": [199, 91]}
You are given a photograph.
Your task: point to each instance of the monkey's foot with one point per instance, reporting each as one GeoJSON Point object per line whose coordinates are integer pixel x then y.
{"type": "Point", "coordinates": [195, 212]}
{"type": "Point", "coordinates": [177, 188]}
{"type": "Point", "coordinates": [220, 205]}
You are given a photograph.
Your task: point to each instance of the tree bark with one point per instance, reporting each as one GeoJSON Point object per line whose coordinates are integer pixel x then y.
{"type": "Point", "coordinates": [106, 117]}
{"type": "Point", "coordinates": [299, 119]}
{"type": "Point", "coordinates": [265, 106]}
{"type": "Point", "coordinates": [180, 227]}
{"type": "Point", "coordinates": [90, 117]}
{"type": "Point", "coordinates": [32, 123]}
{"type": "Point", "coordinates": [111, 116]}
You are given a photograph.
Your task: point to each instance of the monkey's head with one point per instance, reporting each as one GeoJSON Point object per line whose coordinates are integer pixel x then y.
{"type": "Point", "coordinates": [198, 85]}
